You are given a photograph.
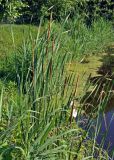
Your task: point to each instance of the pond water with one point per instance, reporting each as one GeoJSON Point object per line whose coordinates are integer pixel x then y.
{"type": "Point", "coordinates": [106, 133]}
{"type": "Point", "coordinates": [104, 125]}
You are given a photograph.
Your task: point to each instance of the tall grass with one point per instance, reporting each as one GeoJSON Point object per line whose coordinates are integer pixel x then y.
{"type": "Point", "coordinates": [84, 41]}
{"type": "Point", "coordinates": [36, 121]}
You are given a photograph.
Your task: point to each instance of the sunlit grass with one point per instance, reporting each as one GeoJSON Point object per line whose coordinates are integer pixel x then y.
{"type": "Point", "coordinates": [39, 79]}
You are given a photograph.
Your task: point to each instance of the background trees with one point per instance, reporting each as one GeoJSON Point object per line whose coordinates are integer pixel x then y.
{"type": "Point", "coordinates": [30, 11]}
{"type": "Point", "coordinates": [10, 10]}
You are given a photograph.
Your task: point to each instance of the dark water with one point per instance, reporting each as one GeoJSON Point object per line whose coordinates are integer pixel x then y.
{"type": "Point", "coordinates": [104, 127]}
{"type": "Point", "coordinates": [105, 136]}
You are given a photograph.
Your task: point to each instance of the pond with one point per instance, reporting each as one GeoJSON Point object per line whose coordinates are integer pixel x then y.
{"type": "Point", "coordinates": [105, 137]}
{"type": "Point", "coordinates": [102, 129]}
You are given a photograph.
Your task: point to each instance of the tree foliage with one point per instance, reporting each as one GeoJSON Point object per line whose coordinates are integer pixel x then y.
{"type": "Point", "coordinates": [32, 10]}
{"type": "Point", "coordinates": [60, 8]}
{"type": "Point", "coordinates": [10, 10]}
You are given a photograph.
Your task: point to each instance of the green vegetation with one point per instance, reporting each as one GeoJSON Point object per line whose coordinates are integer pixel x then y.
{"type": "Point", "coordinates": [37, 88]}
{"type": "Point", "coordinates": [77, 39]}
{"type": "Point", "coordinates": [46, 68]}
{"type": "Point", "coordinates": [31, 11]}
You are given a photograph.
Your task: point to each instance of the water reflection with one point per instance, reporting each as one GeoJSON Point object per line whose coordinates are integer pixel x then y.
{"type": "Point", "coordinates": [105, 136]}
{"type": "Point", "coordinates": [101, 128]}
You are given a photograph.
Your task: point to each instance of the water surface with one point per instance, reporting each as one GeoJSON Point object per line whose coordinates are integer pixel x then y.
{"type": "Point", "coordinates": [105, 136]}
{"type": "Point", "coordinates": [104, 127]}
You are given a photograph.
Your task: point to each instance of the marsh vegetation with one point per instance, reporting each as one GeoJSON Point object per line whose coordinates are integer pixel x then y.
{"type": "Point", "coordinates": [46, 67]}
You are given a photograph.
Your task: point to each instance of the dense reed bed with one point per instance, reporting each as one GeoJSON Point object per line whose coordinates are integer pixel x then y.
{"type": "Point", "coordinates": [37, 90]}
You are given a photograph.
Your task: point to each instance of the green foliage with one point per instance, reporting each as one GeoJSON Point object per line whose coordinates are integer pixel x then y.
{"type": "Point", "coordinates": [34, 122]}
{"type": "Point", "coordinates": [31, 11]}
{"type": "Point", "coordinates": [84, 41]}
{"type": "Point", "coordinates": [60, 8]}
{"type": "Point", "coordinates": [34, 106]}
{"type": "Point", "coordinates": [11, 10]}
{"type": "Point", "coordinates": [73, 36]}
{"type": "Point", "coordinates": [94, 9]}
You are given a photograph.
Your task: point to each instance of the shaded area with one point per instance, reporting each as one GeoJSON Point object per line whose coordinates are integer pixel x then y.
{"type": "Point", "coordinates": [103, 84]}
{"type": "Point", "coordinates": [105, 136]}
{"type": "Point", "coordinates": [100, 102]}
